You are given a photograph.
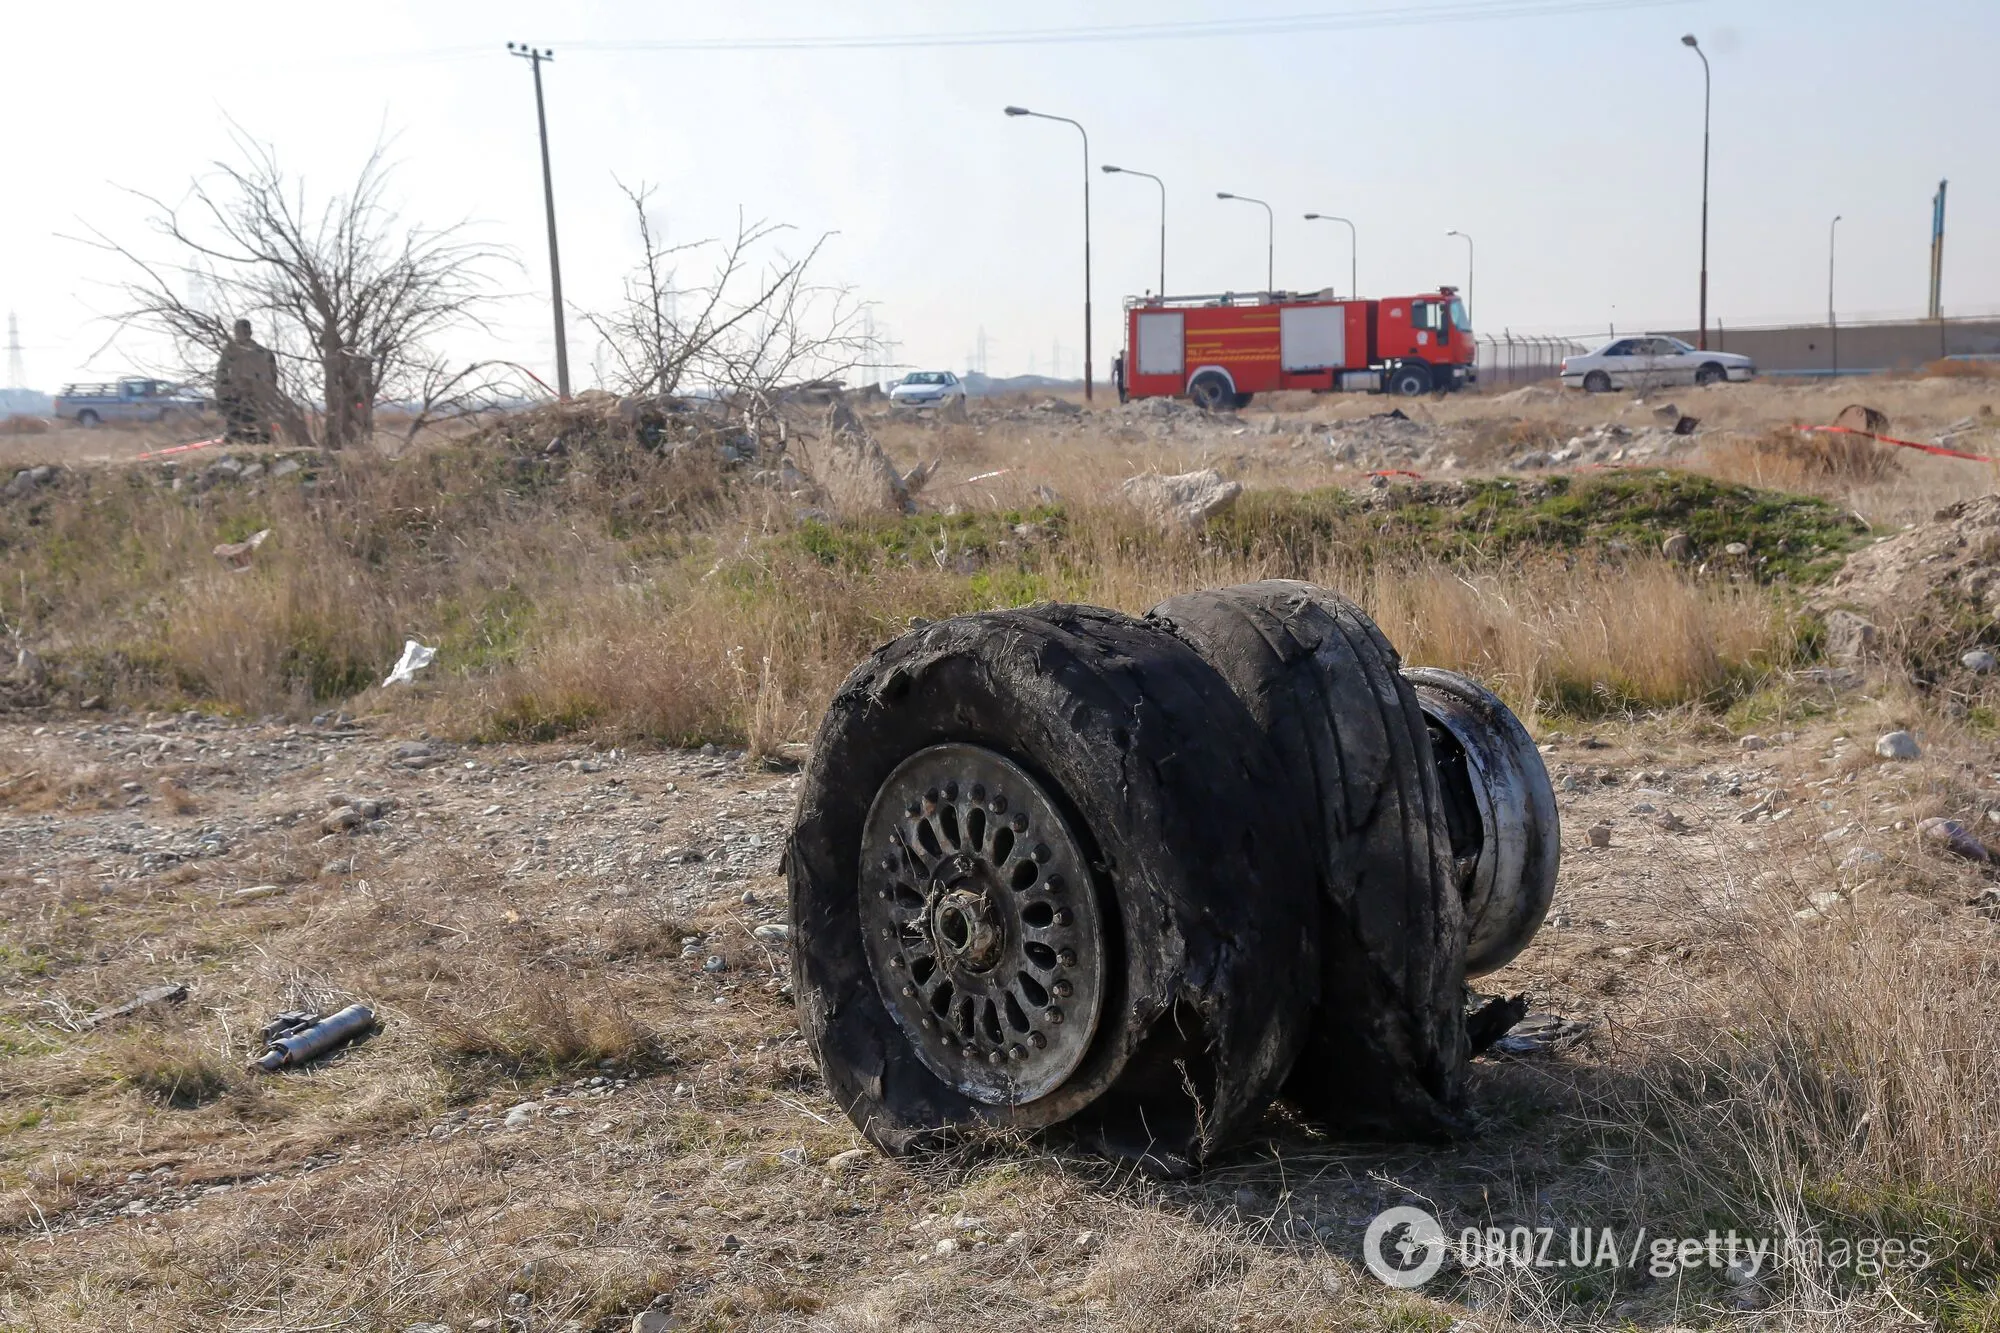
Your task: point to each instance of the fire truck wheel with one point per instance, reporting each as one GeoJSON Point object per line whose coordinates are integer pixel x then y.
{"type": "Point", "coordinates": [1410, 381]}
{"type": "Point", "coordinates": [1211, 392]}
{"type": "Point", "coordinates": [1044, 870]}
{"type": "Point", "coordinates": [1387, 1052]}
{"type": "Point", "coordinates": [1242, 400]}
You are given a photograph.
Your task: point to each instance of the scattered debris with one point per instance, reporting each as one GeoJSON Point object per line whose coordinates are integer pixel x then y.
{"type": "Point", "coordinates": [301, 1044]}
{"type": "Point", "coordinates": [1677, 547]}
{"type": "Point", "coordinates": [1493, 1018]}
{"type": "Point", "coordinates": [1898, 745]}
{"type": "Point", "coordinates": [414, 659]}
{"type": "Point", "coordinates": [1856, 416]}
{"type": "Point", "coordinates": [1752, 742]}
{"type": "Point", "coordinates": [1539, 1034]}
{"type": "Point", "coordinates": [251, 895]}
{"type": "Point", "coordinates": [28, 480]}
{"type": "Point", "coordinates": [1979, 661]}
{"type": "Point", "coordinates": [1957, 839]}
{"type": "Point", "coordinates": [852, 1159]}
{"type": "Point", "coordinates": [167, 993]}
{"type": "Point", "coordinates": [237, 554]}
{"type": "Point", "coordinates": [1599, 835]}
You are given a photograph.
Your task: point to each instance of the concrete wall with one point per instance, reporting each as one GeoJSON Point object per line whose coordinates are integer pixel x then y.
{"type": "Point", "coordinates": [1899, 346]}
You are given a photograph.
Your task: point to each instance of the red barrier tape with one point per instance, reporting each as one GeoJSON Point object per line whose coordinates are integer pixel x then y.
{"type": "Point", "coordinates": [181, 448]}
{"type": "Point", "coordinates": [1397, 472]}
{"type": "Point", "coordinates": [1937, 449]}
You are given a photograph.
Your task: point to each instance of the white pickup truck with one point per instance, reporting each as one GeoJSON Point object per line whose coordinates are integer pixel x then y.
{"type": "Point", "coordinates": [126, 400]}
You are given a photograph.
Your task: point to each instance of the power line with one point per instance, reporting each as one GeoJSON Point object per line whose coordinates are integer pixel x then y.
{"type": "Point", "coordinates": [1460, 11]}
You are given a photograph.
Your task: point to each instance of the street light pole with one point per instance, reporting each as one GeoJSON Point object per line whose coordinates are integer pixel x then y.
{"type": "Point", "coordinates": [1109, 170]}
{"type": "Point", "coordinates": [1353, 286]}
{"type": "Point", "coordinates": [1040, 115]}
{"type": "Point", "coordinates": [535, 58]}
{"type": "Point", "coordinates": [1468, 265]}
{"type": "Point", "coordinates": [1701, 340]}
{"type": "Point", "coordinates": [1270, 237]}
{"type": "Point", "coordinates": [1832, 324]}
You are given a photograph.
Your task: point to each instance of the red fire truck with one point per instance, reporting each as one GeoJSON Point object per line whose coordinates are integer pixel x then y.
{"type": "Point", "coordinates": [1219, 350]}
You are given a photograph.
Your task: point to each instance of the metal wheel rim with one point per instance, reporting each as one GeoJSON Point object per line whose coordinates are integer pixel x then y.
{"type": "Point", "coordinates": [981, 925]}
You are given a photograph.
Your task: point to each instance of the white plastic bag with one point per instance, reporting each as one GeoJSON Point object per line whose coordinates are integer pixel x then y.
{"type": "Point", "coordinates": [415, 658]}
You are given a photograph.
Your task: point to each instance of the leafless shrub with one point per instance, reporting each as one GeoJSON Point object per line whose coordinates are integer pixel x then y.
{"type": "Point", "coordinates": [750, 326]}
{"type": "Point", "coordinates": [351, 295]}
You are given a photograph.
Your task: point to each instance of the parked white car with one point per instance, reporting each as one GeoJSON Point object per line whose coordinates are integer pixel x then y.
{"type": "Point", "coordinates": [926, 388]}
{"type": "Point", "coordinates": [1650, 361]}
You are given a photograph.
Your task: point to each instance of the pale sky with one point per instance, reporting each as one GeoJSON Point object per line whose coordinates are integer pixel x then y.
{"type": "Point", "coordinates": [1563, 135]}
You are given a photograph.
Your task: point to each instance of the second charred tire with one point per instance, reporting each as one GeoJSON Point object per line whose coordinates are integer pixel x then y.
{"type": "Point", "coordinates": [1037, 877]}
{"type": "Point", "coordinates": [1387, 1051]}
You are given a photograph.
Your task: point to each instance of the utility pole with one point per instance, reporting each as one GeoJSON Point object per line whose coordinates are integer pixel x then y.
{"type": "Point", "coordinates": [535, 58]}
{"type": "Point", "coordinates": [17, 377]}
{"type": "Point", "coordinates": [1832, 324]}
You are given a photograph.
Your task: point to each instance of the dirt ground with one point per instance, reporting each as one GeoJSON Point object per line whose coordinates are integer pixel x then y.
{"type": "Point", "coordinates": [589, 1097]}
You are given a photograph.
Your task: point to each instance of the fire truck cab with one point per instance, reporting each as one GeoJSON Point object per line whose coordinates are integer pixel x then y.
{"type": "Point", "coordinates": [1219, 350]}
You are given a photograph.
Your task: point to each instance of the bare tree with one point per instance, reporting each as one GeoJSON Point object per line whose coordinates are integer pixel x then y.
{"type": "Point", "coordinates": [745, 329]}
{"type": "Point", "coordinates": [348, 294]}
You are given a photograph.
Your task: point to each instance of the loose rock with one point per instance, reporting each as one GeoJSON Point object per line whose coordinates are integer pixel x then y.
{"type": "Point", "coordinates": [1850, 639]}
{"type": "Point", "coordinates": [1898, 745]}
{"type": "Point", "coordinates": [1184, 501]}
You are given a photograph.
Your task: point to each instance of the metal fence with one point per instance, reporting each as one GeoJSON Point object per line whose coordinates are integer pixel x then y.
{"type": "Point", "coordinates": [1521, 358]}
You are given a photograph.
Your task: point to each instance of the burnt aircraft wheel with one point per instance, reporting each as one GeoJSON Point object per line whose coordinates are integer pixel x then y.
{"type": "Point", "coordinates": [1038, 877]}
{"type": "Point", "coordinates": [1387, 1052]}
{"type": "Point", "coordinates": [1501, 809]}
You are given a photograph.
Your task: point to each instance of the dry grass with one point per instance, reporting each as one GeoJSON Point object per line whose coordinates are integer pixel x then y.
{"type": "Point", "coordinates": [1792, 1076]}
{"type": "Point", "coordinates": [544, 1022]}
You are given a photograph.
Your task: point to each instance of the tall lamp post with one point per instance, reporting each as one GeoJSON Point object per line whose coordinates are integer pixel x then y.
{"type": "Point", "coordinates": [1832, 324]}
{"type": "Point", "coordinates": [1270, 236]}
{"type": "Point", "coordinates": [1110, 170]}
{"type": "Point", "coordinates": [535, 58]}
{"type": "Point", "coordinates": [1353, 286]}
{"type": "Point", "coordinates": [1468, 264]}
{"type": "Point", "coordinates": [1042, 115]}
{"type": "Point", "coordinates": [1688, 41]}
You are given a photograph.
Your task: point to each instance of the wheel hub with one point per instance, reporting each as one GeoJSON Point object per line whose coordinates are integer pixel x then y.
{"type": "Point", "coordinates": [981, 923]}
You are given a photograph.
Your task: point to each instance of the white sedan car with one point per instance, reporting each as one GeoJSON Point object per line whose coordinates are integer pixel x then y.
{"type": "Point", "coordinates": [1652, 362]}
{"type": "Point", "coordinates": [926, 388]}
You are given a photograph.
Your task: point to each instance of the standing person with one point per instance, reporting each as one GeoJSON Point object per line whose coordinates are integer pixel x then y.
{"type": "Point", "coordinates": [246, 388]}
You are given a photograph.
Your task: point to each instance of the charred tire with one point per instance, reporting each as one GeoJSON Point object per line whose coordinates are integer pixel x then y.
{"type": "Point", "coordinates": [1597, 382]}
{"type": "Point", "coordinates": [1211, 392]}
{"type": "Point", "coordinates": [1412, 381]}
{"type": "Point", "coordinates": [1123, 740]}
{"type": "Point", "coordinates": [1387, 1052]}
{"type": "Point", "coordinates": [1501, 811]}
